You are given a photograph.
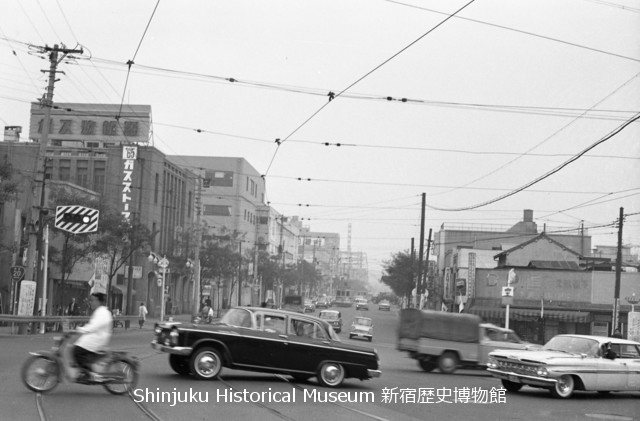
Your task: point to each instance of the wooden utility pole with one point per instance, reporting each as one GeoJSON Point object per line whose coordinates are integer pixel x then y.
{"type": "Point", "coordinates": [36, 188]}
{"type": "Point", "coordinates": [616, 294]}
{"type": "Point", "coordinates": [196, 284]}
{"type": "Point", "coordinates": [421, 251]}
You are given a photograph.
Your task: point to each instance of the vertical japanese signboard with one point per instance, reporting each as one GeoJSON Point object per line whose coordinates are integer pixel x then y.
{"type": "Point", "coordinates": [129, 156]}
{"type": "Point", "coordinates": [27, 298]}
{"type": "Point", "coordinates": [633, 330]}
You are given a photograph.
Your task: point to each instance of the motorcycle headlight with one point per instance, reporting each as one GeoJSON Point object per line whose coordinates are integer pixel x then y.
{"type": "Point", "coordinates": [492, 363]}
{"type": "Point", "coordinates": [542, 372]}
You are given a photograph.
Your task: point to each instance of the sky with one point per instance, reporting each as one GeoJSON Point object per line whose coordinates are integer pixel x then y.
{"type": "Point", "coordinates": [489, 107]}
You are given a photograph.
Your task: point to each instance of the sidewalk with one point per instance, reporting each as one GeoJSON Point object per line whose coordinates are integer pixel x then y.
{"type": "Point", "coordinates": [6, 331]}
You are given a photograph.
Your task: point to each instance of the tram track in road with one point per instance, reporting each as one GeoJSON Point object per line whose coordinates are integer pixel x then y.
{"type": "Point", "coordinates": [303, 389]}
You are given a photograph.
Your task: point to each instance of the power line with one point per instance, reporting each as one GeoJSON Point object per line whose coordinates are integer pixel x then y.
{"type": "Point", "coordinates": [332, 97]}
{"type": "Point", "coordinates": [548, 174]}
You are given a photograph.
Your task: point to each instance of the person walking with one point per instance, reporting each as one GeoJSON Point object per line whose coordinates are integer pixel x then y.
{"type": "Point", "coordinates": [142, 314]}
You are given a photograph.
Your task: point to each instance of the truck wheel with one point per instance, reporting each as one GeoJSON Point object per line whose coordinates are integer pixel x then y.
{"type": "Point", "coordinates": [511, 386]}
{"type": "Point", "coordinates": [448, 362]}
{"type": "Point", "coordinates": [426, 365]}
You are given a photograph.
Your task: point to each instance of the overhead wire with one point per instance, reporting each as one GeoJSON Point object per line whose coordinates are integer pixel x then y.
{"type": "Point", "coordinates": [549, 173]}
{"type": "Point", "coordinates": [131, 62]}
{"type": "Point", "coordinates": [332, 98]}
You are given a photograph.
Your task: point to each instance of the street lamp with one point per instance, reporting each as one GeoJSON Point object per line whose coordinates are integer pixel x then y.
{"type": "Point", "coordinates": [163, 263]}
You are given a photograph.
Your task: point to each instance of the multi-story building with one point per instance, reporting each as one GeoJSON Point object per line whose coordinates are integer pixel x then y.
{"type": "Point", "coordinates": [103, 149]}
{"type": "Point", "coordinates": [322, 250]}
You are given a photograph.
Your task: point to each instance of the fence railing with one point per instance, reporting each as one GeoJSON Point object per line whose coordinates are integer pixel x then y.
{"type": "Point", "coordinates": [58, 323]}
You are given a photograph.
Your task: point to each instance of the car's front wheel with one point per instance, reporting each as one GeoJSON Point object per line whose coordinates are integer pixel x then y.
{"type": "Point", "coordinates": [331, 374]}
{"type": "Point", "coordinates": [511, 386]}
{"type": "Point", "coordinates": [206, 364]}
{"type": "Point", "coordinates": [564, 387]}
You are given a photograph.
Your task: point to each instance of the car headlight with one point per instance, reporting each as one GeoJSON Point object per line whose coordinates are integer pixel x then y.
{"type": "Point", "coordinates": [542, 372]}
{"type": "Point", "coordinates": [157, 329]}
{"type": "Point", "coordinates": [492, 363]}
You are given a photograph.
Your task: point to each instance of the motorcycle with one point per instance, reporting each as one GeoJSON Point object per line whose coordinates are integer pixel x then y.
{"type": "Point", "coordinates": [116, 371]}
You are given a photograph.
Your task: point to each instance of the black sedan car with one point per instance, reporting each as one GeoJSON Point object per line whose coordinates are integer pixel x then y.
{"type": "Point", "coordinates": [265, 340]}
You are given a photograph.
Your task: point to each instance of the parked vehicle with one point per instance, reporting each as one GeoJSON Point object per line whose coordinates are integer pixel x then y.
{"type": "Point", "coordinates": [384, 305]}
{"type": "Point", "coordinates": [448, 341]}
{"type": "Point", "coordinates": [571, 362]}
{"type": "Point", "coordinates": [293, 303]}
{"type": "Point", "coordinates": [116, 371]}
{"type": "Point", "coordinates": [362, 304]}
{"type": "Point", "coordinates": [309, 306]}
{"type": "Point", "coordinates": [265, 340]}
{"type": "Point", "coordinates": [333, 317]}
{"type": "Point", "coordinates": [362, 327]}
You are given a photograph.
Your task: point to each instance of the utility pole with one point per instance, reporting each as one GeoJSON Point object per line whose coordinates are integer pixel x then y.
{"type": "Point", "coordinates": [421, 251]}
{"type": "Point", "coordinates": [36, 188]}
{"type": "Point", "coordinates": [616, 295]}
{"type": "Point", "coordinates": [196, 284]}
{"type": "Point", "coordinates": [425, 278]}
{"type": "Point", "coordinates": [413, 257]}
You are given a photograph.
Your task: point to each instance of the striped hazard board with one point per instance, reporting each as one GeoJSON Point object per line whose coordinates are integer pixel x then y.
{"type": "Point", "coordinates": [76, 219]}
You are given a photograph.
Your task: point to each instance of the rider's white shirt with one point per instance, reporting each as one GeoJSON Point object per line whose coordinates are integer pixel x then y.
{"type": "Point", "coordinates": [97, 332]}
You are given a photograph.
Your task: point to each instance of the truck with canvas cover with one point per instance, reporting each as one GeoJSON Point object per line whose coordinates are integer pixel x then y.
{"type": "Point", "coordinates": [448, 341]}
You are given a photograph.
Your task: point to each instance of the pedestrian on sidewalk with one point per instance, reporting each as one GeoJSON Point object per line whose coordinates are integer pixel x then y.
{"type": "Point", "coordinates": [142, 314]}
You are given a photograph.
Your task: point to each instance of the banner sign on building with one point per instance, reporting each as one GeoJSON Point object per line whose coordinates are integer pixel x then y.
{"type": "Point", "coordinates": [129, 155]}
{"type": "Point", "coordinates": [93, 123]}
{"type": "Point", "coordinates": [471, 276]}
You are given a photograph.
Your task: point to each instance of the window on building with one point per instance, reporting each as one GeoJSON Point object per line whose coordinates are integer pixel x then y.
{"type": "Point", "coordinates": [156, 189]}
{"type": "Point", "coordinates": [82, 174]}
{"type": "Point", "coordinates": [64, 169]}
{"type": "Point", "coordinates": [99, 176]}
{"type": "Point", "coordinates": [217, 210]}
{"type": "Point", "coordinates": [219, 178]}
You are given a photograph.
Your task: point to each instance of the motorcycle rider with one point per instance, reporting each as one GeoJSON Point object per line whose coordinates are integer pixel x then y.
{"type": "Point", "coordinates": [95, 335]}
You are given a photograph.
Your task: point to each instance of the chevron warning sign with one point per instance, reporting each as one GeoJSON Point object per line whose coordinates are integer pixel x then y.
{"type": "Point", "coordinates": [76, 219]}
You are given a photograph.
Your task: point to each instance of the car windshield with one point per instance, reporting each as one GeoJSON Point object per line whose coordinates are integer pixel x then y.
{"type": "Point", "coordinates": [330, 316]}
{"type": "Point", "coordinates": [363, 322]}
{"type": "Point", "coordinates": [574, 345]}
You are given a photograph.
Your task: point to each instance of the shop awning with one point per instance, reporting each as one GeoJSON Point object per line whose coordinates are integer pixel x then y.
{"type": "Point", "coordinates": [530, 314]}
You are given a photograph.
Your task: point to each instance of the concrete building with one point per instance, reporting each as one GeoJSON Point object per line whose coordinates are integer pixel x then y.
{"type": "Point", "coordinates": [91, 150]}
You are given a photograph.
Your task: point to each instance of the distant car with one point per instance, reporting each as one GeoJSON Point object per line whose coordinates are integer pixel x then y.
{"type": "Point", "coordinates": [384, 305]}
{"type": "Point", "coordinates": [362, 304]}
{"type": "Point", "coordinates": [322, 303]}
{"type": "Point", "coordinates": [309, 306]}
{"type": "Point", "coordinates": [268, 341]}
{"type": "Point", "coordinates": [333, 317]}
{"type": "Point", "coordinates": [362, 327]}
{"type": "Point", "coordinates": [570, 362]}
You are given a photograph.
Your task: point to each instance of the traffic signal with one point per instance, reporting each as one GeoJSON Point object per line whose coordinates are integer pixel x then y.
{"type": "Point", "coordinates": [76, 219]}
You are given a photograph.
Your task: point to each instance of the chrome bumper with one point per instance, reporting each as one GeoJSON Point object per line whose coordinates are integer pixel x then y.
{"type": "Point", "coordinates": [374, 373]}
{"type": "Point", "coordinates": [523, 378]}
{"type": "Point", "coordinates": [176, 350]}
